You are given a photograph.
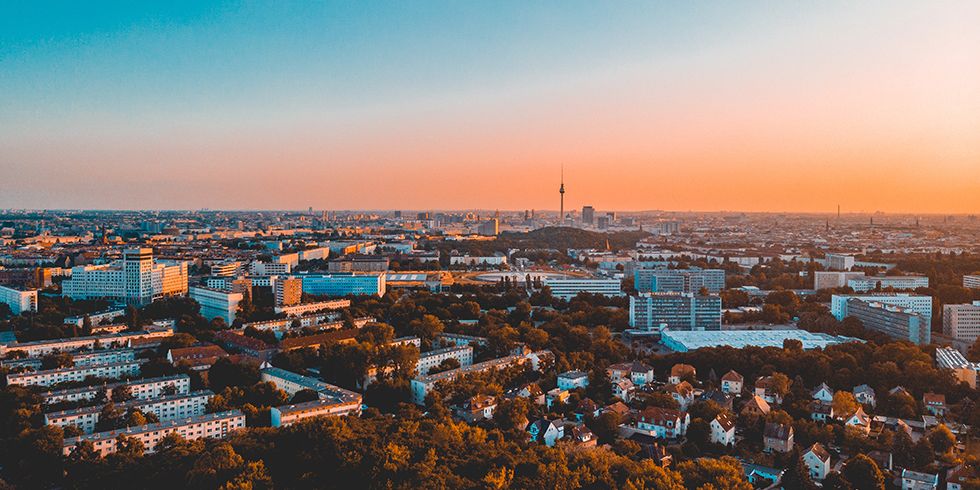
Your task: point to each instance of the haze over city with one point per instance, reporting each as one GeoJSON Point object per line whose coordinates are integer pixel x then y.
{"type": "Point", "coordinates": [476, 105]}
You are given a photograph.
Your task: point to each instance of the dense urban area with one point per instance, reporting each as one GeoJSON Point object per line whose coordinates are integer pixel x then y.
{"type": "Point", "coordinates": [578, 349]}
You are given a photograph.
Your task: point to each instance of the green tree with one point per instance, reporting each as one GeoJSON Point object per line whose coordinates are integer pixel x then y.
{"type": "Point", "coordinates": [863, 473]}
{"type": "Point", "coordinates": [707, 473]}
{"type": "Point", "coordinates": [797, 476]}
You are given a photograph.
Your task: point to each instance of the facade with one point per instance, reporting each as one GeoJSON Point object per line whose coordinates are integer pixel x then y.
{"type": "Point", "coordinates": [914, 480]}
{"type": "Point", "coordinates": [305, 308]}
{"type": "Point", "coordinates": [894, 321]}
{"type": "Point", "coordinates": [840, 262]}
{"type": "Point", "coordinates": [962, 322]}
{"type": "Point", "coordinates": [778, 438]}
{"type": "Point", "coordinates": [289, 291]}
{"type": "Point", "coordinates": [588, 215]}
{"type": "Point", "coordinates": [663, 423]}
{"type": "Point", "coordinates": [344, 284]}
{"type": "Point", "coordinates": [723, 429]}
{"type": "Point", "coordinates": [290, 414]}
{"type": "Point", "coordinates": [569, 288]}
{"type": "Point", "coordinates": [679, 280]}
{"type": "Point", "coordinates": [833, 279]}
{"type": "Point", "coordinates": [964, 370]}
{"type": "Point", "coordinates": [141, 389]}
{"type": "Point", "coordinates": [638, 373]}
{"type": "Point", "coordinates": [676, 311]}
{"type": "Point", "coordinates": [477, 260]}
{"type": "Point", "coordinates": [40, 348]}
{"type": "Point", "coordinates": [217, 304]}
{"type": "Point", "coordinates": [732, 383]}
{"type": "Point", "coordinates": [359, 263]}
{"type": "Point", "coordinates": [570, 380]}
{"type": "Point", "coordinates": [79, 359]}
{"type": "Point", "coordinates": [971, 281]}
{"type": "Point", "coordinates": [422, 385]}
{"type": "Point", "coordinates": [18, 301]}
{"type": "Point", "coordinates": [135, 279]}
{"type": "Point", "coordinates": [292, 383]}
{"type": "Point", "coordinates": [918, 303]}
{"type": "Point", "coordinates": [165, 408]}
{"type": "Point", "coordinates": [96, 318]}
{"type": "Point", "coordinates": [865, 284]}
{"type": "Point", "coordinates": [431, 359]}
{"type": "Point", "coordinates": [817, 461]}
{"type": "Point", "coordinates": [77, 373]}
{"type": "Point", "coordinates": [214, 425]}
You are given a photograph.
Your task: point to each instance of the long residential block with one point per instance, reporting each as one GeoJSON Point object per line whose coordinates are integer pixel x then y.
{"type": "Point", "coordinates": [52, 377]}
{"type": "Point", "coordinates": [139, 388]}
{"type": "Point", "coordinates": [213, 425]}
{"type": "Point", "coordinates": [166, 408]}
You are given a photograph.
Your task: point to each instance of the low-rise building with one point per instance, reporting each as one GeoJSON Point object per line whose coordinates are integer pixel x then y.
{"type": "Point", "coordinates": [165, 408]}
{"type": "Point", "coordinates": [41, 348]}
{"type": "Point", "coordinates": [914, 480]}
{"type": "Point", "coordinates": [778, 438]}
{"type": "Point", "coordinates": [637, 372]}
{"type": "Point", "coordinates": [285, 415]}
{"type": "Point", "coordinates": [570, 380]}
{"type": "Point", "coordinates": [431, 359]}
{"type": "Point", "coordinates": [422, 385]}
{"type": "Point", "coordinates": [141, 389]}
{"type": "Point", "coordinates": [568, 288]}
{"type": "Point", "coordinates": [817, 461]}
{"type": "Point", "coordinates": [732, 383]}
{"type": "Point", "coordinates": [53, 377]}
{"type": "Point", "coordinates": [663, 422]}
{"type": "Point", "coordinates": [213, 425]}
{"type": "Point", "coordinates": [723, 429]}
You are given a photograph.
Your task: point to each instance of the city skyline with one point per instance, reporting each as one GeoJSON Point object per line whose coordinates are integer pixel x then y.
{"type": "Point", "coordinates": [391, 106]}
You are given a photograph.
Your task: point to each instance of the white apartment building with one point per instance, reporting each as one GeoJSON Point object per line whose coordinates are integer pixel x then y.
{"type": "Point", "coordinates": [18, 301]}
{"type": "Point", "coordinates": [290, 414]}
{"type": "Point", "coordinates": [840, 262]}
{"type": "Point", "coordinates": [96, 318]}
{"type": "Point", "coordinates": [165, 408]}
{"type": "Point", "coordinates": [304, 308]}
{"type": "Point", "coordinates": [431, 359]}
{"type": "Point", "coordinates": [971, 281]}
{"type": "Point", "coordinates": [80, 359]}
{"type": "Point", "coordinates": [865, 284]}
{"type": "Point", "coordinates": [269, 269]}
{"type": "Point", "coordinates": [292, 383]}
{"type": "Point", "coordinates": [964, 370]}
{"type": "Point", "coordinates": [569, 288]}
{"type": "Point", "coordinates": [422, 385]}
{"type": "Point", "coordinates": [77, 373]}
{"type": "Point", "coordinates": [476, 260]}
{"type": "Point", "coordinates": [918, 303]}
{"type": "Point", "coordinates": [40, 348]}
{"type": "Point", "coordinates": [136, 279]}
{"type": "Point", "coordinates": [833, 279]}
{"type": "Point", "coordinates": [214, 425]}
{"type": "Point", "coordinates": [217, 304]}
{"type": "Point", "coordinates": [141, 389]}
{"type": "Point", "coordinates": [962, 322]}
{"type": "Point", "coordinates": [226, 269]}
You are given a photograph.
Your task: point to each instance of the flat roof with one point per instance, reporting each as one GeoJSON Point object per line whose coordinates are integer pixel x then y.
{"type": "Point", "coordinates": [738, 339]}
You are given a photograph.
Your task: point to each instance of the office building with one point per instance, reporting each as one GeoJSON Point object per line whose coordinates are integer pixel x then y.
{"type": "Point", "coordinates": [213, 425]}
{"type": "Point", "coordinates": [165, 408]}
{"type": "Point", "coordinates": [588, 215]}
{"type": "Point", "coordinates": [18, 301]}
{"type": "Point", "coordinates": [289, 291]}
{"type": "Point", "coordinates": [840, 262]}
{"type": "Point", "coordinates": [679, 280]}
{"type": "Point", "coordinates": [918, 303]}
{"type": "Point", "coordinates": [895, 321]}
{"type": "Point", "coordinates": [431, 359]}
{"type": "Point", "coordinates": [676, 311]}
{"type": "Point", "coordinates": [865, 284]}
{"type": "Point", "coordinates": [226, 268]}
{"type": "Point", "coordinates": [52, 377]}
{"type": "Point", "coordinates": [136, 279]}
{"type": "Point", "coordinates": [257, 268]}
{"type": "Point", "coordinates": [569, 288]}
{"type": "Point", "coordinates": [971, 281]}
{"type": "Point", "coordinates": [833, 279]}
{"type": "Point", "coordinates": [962, 322]}
{"type": "Point", "coordinates": [341, 284]}
{"type": "Point", "coordinates": [217, 304]}
{"type": "Point", "coordinates": [286, 415]}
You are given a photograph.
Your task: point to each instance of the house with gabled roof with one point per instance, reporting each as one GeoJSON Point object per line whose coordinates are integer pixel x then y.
{"type": "Point", "coordinates": [723, 429]}
{"type": "Point", "coordinates": [637, 372]}
{"type": "Point", "coordinates": [663, 422]}
{"type": "Point", "coordinates": [823, 393]}
{"type": "Point", "coordinates": [865, 395]}
{"type": "Point", "coordinates": [935, 403]}
{"type": "Point", "coordinates": [756, 406]}
{"type": "Point", "coordinates": [732, 383]}
{"type": "Point", "coordinates": [777, 438]}
{"type": "Point", "coordinates": [679, 372]}
{"type": "Point", "coordinates": [817, 461]}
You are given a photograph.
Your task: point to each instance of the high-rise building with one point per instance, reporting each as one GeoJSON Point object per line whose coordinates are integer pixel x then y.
{"type": "Point", "coordinates": [588, 215]}
{"type": "Point", "coordinates": [217, 304]}
{"type": "Point", "coordinates": [962, 322]}
{"type": "Point", "coordinates": [289, 291]}
{"type": "Point", "coordinates": [136, 279]}
{"type": "Point", "coordinates": [18, 301]}
{"type": "Point", "coordinates": [895, 321]}
{"type": "Point", "coordinates": [676, 311]}
{"type": "Point", "coordinates": [678, 280]}
{"type": "Point", "coordinates": [833, 279]}
{"type": "Point", "coordinates": [490, 227]}
{"type": "Point", "coordinates": [840, 262]}
{"type": "Point", "coordinates": [340, 284]}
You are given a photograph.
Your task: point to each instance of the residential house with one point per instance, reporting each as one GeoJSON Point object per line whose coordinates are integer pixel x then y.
{"type": "Point", "coordinates": [546, 431]}
{"type": "Point", "coordinates": [532, 392]}
{"type": "Point", "coordinates": [586, 409]}
{"type": "Point", "coordinates": [859, 420]}
{"type": "Point", "coordinates": [732, 383]}
{"type": "Point", "coordinates": [637, 372]}
{"type": "Point", "coordinates": [556, 396]}
{"type": "Point", "coordinates": [765, 387]}
{"type": "Point", "coordinates": [623, 389]}
{"type": "Point", "coordinates": [573, 379]}
{"type": "Point", "coordinates": [778, 438]}
{"type": "Point", "coordinates": [724, 400]}
{"type": "Point", "coordinates": [582, 436]}
{"type": "Point", "coordinates": [663, 422]}
{"type": "Point", "coordinates": [914, 480]}
{"type": "Point", "coordinates": [756, 406]}
{"type": "Point", "coordinates": [650, 448]}
{"type": "Point", "coordinates": [477, 408]}
{"type": "Point", "coordinates": [823, 393]}
{"type": "Point", "coordinates": [821, 411]}
{"type": "Point", "coordinates": [935, 403]}
{"type": "Point", "coordinates": [865, 395]}
{"type": "Point", "coordinates": [723, 429]}
{"type": "Point", "coordinates": [682, 393]}
{"type": "Point", "coordinates": [680, 372]}
{"type": "Point", "coordinates": [817, 461]}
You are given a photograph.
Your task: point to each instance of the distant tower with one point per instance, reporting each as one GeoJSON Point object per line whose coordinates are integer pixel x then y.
{"type": "Point", "coordinates": [561, 193]}
{"type": "Point", "coordinates": [838, 211]}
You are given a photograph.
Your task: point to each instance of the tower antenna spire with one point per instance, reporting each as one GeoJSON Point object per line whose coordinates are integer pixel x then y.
{"type": "Point", "coordinates": [561, 193]}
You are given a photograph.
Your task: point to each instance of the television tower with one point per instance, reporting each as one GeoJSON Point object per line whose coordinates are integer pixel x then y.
{"type": "Point", "coordinates": [561, 193]}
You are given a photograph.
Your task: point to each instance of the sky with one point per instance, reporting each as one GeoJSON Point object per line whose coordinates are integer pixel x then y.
{"type": "Point", "coordinates": [703, 106]}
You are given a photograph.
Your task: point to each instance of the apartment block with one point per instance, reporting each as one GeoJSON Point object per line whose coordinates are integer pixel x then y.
{"type": "Point", "coordinates": [165, 408]}
{"type": "Point", "coordinates": [679, 280]}
{"type": "Point", "coordinates": [18, 301]}
{"type": "Point", "coordinates": [569, 288]}
{"type": "Point", "coordinates": [290, 414]}
{"type": "Point", "coordinates": [962, 322]}
{"type": "Point", "coordinates": [139, 388]}
{"type": "Point", "coordinates": [76, 373]}
{"type": "Point", "coordinates": [676, 311]}
{"type": "Point", "coordinates": [214, 425]}
{"type": "Point", "coordinates": [918, 303]}
{"type": "Point", "coordinates": [431, 359]}
{"type": "Point", "coordinates": [40, 348]}
{"type": "Point", "coordinates": [895, 321]}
